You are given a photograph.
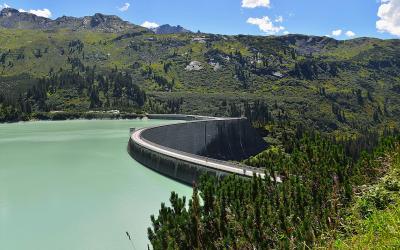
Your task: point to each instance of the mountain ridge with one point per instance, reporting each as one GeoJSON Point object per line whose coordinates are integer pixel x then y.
{"type": "Point", "coordinates": [11, 18]}
{"type": "Point", "coordinates": [14, 19]}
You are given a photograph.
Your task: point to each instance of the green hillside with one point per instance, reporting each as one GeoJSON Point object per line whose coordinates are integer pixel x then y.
{"type": "Point", "coordinates": [329, 84]}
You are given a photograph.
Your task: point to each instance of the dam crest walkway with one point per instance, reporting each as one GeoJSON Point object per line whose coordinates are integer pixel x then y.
{"type": "Point", "coordinates": [145, 149]}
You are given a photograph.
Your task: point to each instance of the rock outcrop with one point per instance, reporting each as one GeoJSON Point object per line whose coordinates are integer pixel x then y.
{"type": "Point", "coordinates": [168, 29]}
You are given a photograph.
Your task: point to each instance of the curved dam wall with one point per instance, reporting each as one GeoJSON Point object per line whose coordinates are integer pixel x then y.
{"type": "Point", "coordinates": [184, 151]}
{"type": "Point", "coordinates": [231, 139]}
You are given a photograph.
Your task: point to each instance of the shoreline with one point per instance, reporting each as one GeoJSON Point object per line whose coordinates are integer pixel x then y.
{"type": "Point", "coordinates": [72, 115]}
{"type": "Point", "coordinates": [104, 115]}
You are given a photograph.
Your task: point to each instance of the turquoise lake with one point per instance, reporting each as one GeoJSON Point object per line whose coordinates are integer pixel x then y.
{"type": "Point", "coordinates": [71, 185]}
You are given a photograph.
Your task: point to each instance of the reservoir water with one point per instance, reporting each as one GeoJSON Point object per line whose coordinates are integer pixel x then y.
{"type": "Point", "coordinates": [71, 185]}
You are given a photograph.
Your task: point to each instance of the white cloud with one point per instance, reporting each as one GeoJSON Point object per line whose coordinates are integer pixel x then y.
{"type": "Point", "coordinates": [389, 17]}
{"type": "Point", "coordinates": [350, 33]}
{"type": "Point", "coordinates": [265, 24]}
{"type": "Point", "coordinates": [279, 19]}
{"type": "Point", "coordinates": [4, 5]}
{"type": "Point", "coordinates": [337, 32]}
{"type": "Point", "coordinates": [286, 32]}
{"type": "Point", "coordinates": [149, 25]}
{"type": "Point", "coordinates": [43, 13]}
{"type": "Point", "coordinates": [125, 7]}
{"type": "Point", "coordinates": [255, 3]}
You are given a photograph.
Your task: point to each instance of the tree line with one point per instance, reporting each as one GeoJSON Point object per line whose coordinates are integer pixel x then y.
{"type": "Point", "coordinates": [100, 90]}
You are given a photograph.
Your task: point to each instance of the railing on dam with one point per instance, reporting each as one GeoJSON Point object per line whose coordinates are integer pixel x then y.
{"type": "Point", "coordinates": [236, 165]}
{"type": "Point", "coordinates": [180, 151]}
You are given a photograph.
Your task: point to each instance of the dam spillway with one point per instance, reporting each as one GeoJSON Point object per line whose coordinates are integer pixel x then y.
{"type": "Point", "coordinates": [202, 145]}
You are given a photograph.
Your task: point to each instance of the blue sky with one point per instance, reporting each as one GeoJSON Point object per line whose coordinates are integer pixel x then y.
{"type": "Point", "coordinates": [341, 19]}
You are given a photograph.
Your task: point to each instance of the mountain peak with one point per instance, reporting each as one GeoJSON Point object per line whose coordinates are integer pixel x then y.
{"type": "Point", "coordinates": [13, 19]}
{"type": "Point", "coordinates": [8, 12]}
{"type": "Point", "coordinates": [168, 29]}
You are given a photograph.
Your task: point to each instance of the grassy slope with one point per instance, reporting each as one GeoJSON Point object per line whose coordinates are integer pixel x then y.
{"type": "Point", "coordinates": [374, 219]}
{"type": "Point", "coordinates": [380, 231]}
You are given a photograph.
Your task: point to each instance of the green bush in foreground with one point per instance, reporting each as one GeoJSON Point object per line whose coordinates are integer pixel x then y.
{"type": "Point", "coordinates": [374, 219]}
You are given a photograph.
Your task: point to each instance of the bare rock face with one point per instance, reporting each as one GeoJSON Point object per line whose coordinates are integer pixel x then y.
{"type": "Point", "coordinates": [168, 29]}
{"type": "Point", "coordinates": [194, 66]}
{"type": "Point", "coordinates": [104, 23]}
{"type": "Point", "coordinates": [309, 44]}
{"type": "Point", "coordinates": [14, 19]}
{"type": "Point", "coordinates": [8, 12]}
{"type": "Point", "coordinates": [216, 66]}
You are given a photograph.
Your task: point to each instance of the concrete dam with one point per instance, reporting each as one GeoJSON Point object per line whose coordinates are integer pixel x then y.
{"type": "Point", "coordinates": [202, 145]}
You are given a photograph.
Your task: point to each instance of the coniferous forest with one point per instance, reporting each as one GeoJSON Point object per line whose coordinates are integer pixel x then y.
{"type": "Point", "coordinates": [302, 205]}
{"type": "Point", "coordinates": [95, 90]}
